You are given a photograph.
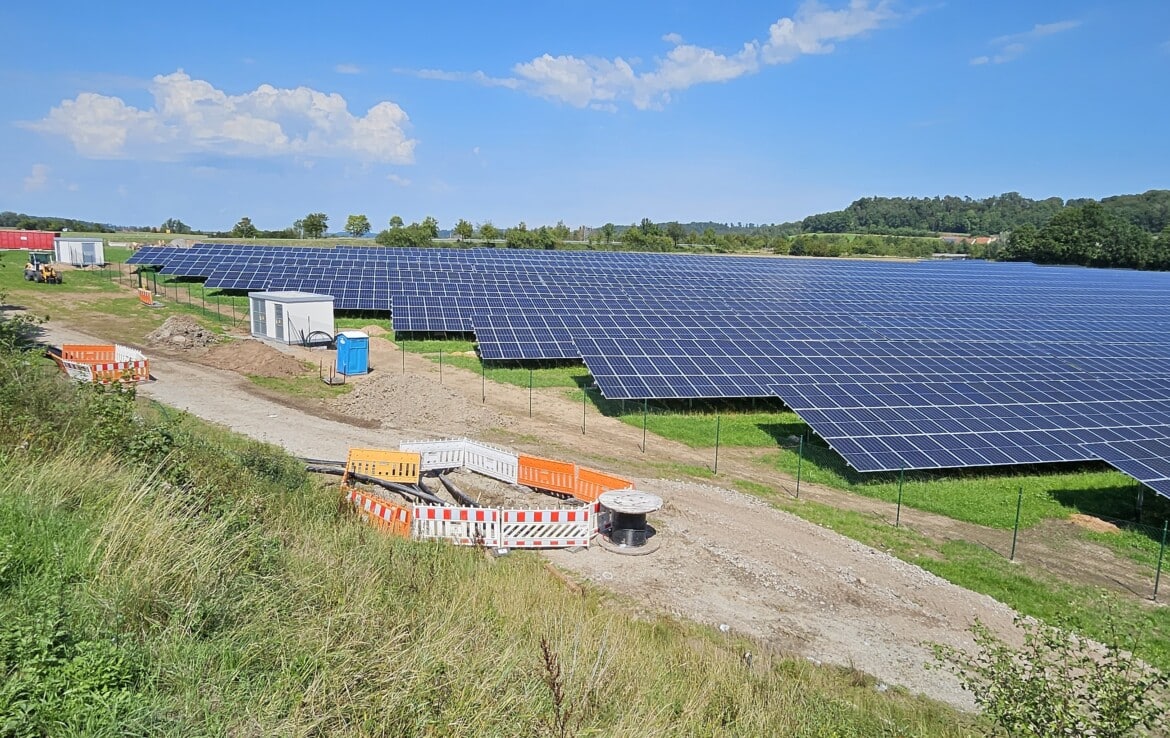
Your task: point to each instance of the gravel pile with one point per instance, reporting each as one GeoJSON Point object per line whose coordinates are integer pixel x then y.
{"type": "Point", "coordinates": [181, 331]}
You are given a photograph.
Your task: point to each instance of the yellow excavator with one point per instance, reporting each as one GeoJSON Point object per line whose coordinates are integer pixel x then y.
{"type": "Point", "coordinates": [37, 270]}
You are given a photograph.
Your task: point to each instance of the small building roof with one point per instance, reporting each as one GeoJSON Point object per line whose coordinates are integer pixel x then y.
{"type": "Point", "coordinates": [353, 334]}
{"type": "Point", "coordinates": [292, 296]}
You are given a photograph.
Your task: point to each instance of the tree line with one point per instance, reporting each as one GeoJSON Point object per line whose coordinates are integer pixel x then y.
{"type": "Point", "coordinates": [1092, 234]}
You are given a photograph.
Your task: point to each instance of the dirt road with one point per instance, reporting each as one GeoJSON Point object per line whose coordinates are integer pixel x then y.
{"type": "Point", "coordinates": [725, 558]}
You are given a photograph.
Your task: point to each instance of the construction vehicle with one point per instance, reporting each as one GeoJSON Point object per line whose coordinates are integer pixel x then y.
{"type": "Point", "coordinates": [38, 269]}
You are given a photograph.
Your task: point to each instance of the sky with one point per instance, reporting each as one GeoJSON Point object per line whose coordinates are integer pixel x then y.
{"type": "Point", "coordinates": [583, 112]}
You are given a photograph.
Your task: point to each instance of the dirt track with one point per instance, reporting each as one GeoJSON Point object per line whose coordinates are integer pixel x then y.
{"type": "Point", "coordinates": [725, 558]}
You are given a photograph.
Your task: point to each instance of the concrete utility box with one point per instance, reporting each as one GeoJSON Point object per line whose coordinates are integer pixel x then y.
{"type": "Point", "coordinates": [291, 317]}
{"type": "Point", "coordinates": [79, 251]}
{"type": "Point", "coordinates": [353, 353]}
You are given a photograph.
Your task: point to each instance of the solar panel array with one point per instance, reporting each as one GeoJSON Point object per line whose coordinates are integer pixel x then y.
{"type": "Point", "coordinates": [897, 365]}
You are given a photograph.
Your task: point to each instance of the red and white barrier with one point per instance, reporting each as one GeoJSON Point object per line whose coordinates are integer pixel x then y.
{"type": "Point", "coordinates": [547, 528]}
{"type": "Point", "coordinates": [466, 526]}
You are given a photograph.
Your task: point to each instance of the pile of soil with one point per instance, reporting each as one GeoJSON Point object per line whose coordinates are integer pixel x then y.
{"type": "Point", "coordinates": [394, 399]}
{"type": "Point", "coordinates": [253, 358]}
{"type": "Point", "coordinates": [374, 330]}
{"type": "Point", "coordinates": [182, 331]}
{"type": "Point", "coordinates": [1097, 525]}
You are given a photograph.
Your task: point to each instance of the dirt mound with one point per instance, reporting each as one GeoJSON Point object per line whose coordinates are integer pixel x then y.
{"type": "Point", "coordinates": [254, 358]}
{"type": "Point", "coordinates": [374, 330]}
{"type": "Point", "coordinates": [182, 331]}
{"type": "Point", "coordinates": [388, 396]}
{"type": "Point", "coordinates": [1097, 525]}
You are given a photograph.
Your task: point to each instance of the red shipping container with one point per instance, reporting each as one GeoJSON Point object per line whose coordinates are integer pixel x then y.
{"type": "Point", "coordinates": [35, 240]}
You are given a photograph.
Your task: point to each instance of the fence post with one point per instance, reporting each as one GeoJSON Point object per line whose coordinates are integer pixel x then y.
{"type": "Point", "coordinates": [645, 410]}
{"type": "Point", "coordinates": [1161, 552]}
{"type": "Point", "coordinates": [717, 421]}
{"type": "Point", "coordinates": [530, 392]}
{"type": "Point", "coordinates": [440, 366]}
{"type": "Point", "coordinates": [1016, 530]}
{"type": "Point", "coordinates": [799, 464]}
{"type": "Point", "coordinates": [584, 399]}
{"type": "Point", "coordinates": [898, 514]}
{"type": "Point", "coordinates": [402, 348]}
{"type": "Point", "coordinates": [483, 381]}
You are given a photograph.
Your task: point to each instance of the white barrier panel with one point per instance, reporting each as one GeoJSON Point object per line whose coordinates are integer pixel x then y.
{"type": "Point", "coordinates": [446, 454]}
{"type": "Point", "coordinates": [468, 526]}
{"type": "Point", "coordinates": [547, 528]}
{"type": "Point", "coordinates": [125, 353]}
{"type": "Point", "coordinates": [78, 371]}
{"type": "Point", "coordinates": [491, 462]}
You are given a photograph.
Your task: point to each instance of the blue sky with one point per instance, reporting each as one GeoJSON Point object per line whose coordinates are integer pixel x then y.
{"type": "Point", "coordinates": [134, 112]}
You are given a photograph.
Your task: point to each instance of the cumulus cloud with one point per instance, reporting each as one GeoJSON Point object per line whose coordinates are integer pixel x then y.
{"type": "Point", "coordinates": [37, 179]}
{"type": "Point", "coordinates": [192, 116]}
{"type": "Point", "coordinates": [1013, 45]}
{"type": "Point", "coordinates": [600, 83]}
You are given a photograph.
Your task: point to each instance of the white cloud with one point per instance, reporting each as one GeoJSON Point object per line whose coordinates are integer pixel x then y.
{"type": "Point", "coordinates": [192, 116]}
{"type": "Point", "coordinates": [37, 179]}
{"type": "Point", "coordinates": [400, 181]}
{"type": "Point", "coordinates": [599, 83]}
{"type": "Point", "coordinates": [1013, 45]}
{"type": "Point", "coordinates": [347, 69]}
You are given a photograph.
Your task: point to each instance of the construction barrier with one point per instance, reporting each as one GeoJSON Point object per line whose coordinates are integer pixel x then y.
{"type": "Point", "coordinates": [446, 454]}
{"type": "Point", "coordinates": [146, 297]}
{"type": "Point", "coordinates": [466, 526]}
{"type": "Point", "coordinates": [393, 518]}
{"type": "Point", "coordinates": [491, 462]}
{"type": "Point", "coordinates": [103, 364]}
{"type": "Point", "coordinates": [389, 466]}
{"type": "Point", "coordinates": [547, 474]}
{"type": "Point", "coordinates": [481, 526]}
{"type": "Point", "coordinates": [547, 528]}
{"type": "Point", "coordinates": [591, 484]}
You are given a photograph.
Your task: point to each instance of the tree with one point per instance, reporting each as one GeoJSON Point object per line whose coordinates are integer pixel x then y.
{"type": "Point", "coordinates": [676, 232]}
{"type": "Point", "coordinates": [357, 225]}
{"type": "Point", "coordinates": [431, 226]}
{"type": "Point", "coordinates": [489, 232]}
{"type": "Point", "coordinates": [174, 225]}
{"type": "Point", "coordinates": [314, 225]}
{"type": "Point", "coordinates": [463, 229]}
{"type": "Point", "coordinates": [1058, 684]}
{"type": "Point", "coordinates": [561, 231]}
{"type": "Point", "coordinates": [607, 232]}
{"type": "Point", "coordinates": [396, 221]}
{"type": "Point", "coordinates": [244, 229]}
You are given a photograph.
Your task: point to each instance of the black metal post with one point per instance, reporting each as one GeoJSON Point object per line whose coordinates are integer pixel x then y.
{"type": "Point", "coordinates": [483, 380]}
{"type": "Point", "coordinates": [530, 392]}
{"type": "Point", "coordinates": [799, 463]}
{"type": "Point", "coordinates": [1161, 553]}
{"type": "Point", "coordinates": [440, 366]}
{"type": "Point", "coordinates": [717, 427]}
{"type": "Point", "coordinates": [584, 400]}
{"type": "Point", "coordinates": [898, 514]}
{"type": "Point", "coordinates": [645, 410]}
{"type": "Point", "coordinates": [1016, 529]}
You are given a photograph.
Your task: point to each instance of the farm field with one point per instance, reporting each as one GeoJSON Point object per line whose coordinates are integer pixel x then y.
{"type": "Point", "coordinates": [1062, 567]}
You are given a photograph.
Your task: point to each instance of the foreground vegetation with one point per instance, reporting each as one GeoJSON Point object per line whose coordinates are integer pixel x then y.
{"type": "Point", "coordinates": [161, 577]}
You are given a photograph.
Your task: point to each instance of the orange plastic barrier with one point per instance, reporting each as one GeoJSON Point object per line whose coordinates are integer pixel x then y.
{"type": "Point", "coordinates": [390, 466]}
{"type": "Point", "coordinates": [88, 353]}
{"type": "Point", "coordinates": [386, 515]}
{"type": "Point", "coordinates": [145, 296]}
{"type": "Point", "coordinates": [590, 484]}
{"type": "Point", "coordinates": [546, 474]}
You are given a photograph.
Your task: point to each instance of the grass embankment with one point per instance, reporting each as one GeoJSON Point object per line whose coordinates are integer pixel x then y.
{"type": "Point", "coordinates": [161, 577]}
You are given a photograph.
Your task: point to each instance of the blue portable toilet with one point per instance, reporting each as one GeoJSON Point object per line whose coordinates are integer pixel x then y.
{"type": "Point", "coordinates": [353, 353]}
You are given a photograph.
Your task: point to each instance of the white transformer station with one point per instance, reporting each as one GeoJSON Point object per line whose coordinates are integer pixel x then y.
{"type": "Point", "coordinates": [291, 317]}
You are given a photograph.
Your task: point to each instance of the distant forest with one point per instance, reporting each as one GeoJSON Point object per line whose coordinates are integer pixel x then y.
{"type": "Point", "coordinates": [9, 219]}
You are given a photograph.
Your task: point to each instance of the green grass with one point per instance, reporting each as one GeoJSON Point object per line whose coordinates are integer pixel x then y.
{"type": "Point", "coordinates": [160, 576]}
{"type": "Point", "coordinates": [310, 387]}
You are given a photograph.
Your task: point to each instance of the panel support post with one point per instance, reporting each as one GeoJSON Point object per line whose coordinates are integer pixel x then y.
{"type": "Point", "coordinates": [1161, 553]}
{"type": "Point", "coordinates": [1016, 529]}
{"type": "Point", "coordinates": [717, 428]}
{"type": "Point", "coordinates": [1141, 498]}
{"type": "Point", "coordinates": [898, 514]}
{"type": "Point", "coordinates": [799, 464]}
